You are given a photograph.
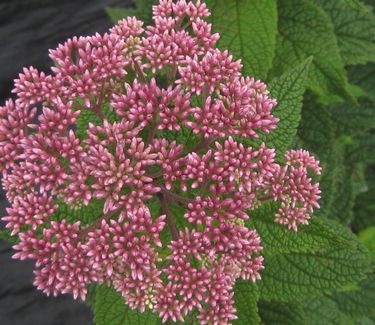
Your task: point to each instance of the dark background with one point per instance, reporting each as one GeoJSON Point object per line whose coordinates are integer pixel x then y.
{"type": "Point", "coordinates": [28, 28]}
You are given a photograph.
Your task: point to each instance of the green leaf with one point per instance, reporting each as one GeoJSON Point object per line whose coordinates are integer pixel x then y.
{"type": "Point", "coordinates": [248, 30]}
{"type": "Point", "coordinates": [246, 296]}
{"type": "Point", "coordinates": [358, 302]}
{"type": "Point", "coordinates": [367, 237]}
{"type": "Point", "coordinates": [354, 29]}
{"type": "Point", "coordinates": [280, 313]}
{"type": "Point", "coordinates": [142, 10]}
{"type": "Point", "coordinates": [5, 235]}
{"type": "Point", "coordinates": [354, 305]}
{"type": "Point", "coordinates": [288, 90]}
{"type": "Point", "coordinates": [364, 209]}
{"type": "Point", "coordinates": [110, 309]}
{"type": "Point", "coordinates": [86, 116]}
{"type": "Point", "coordinates": [319, 258]}
{"type": "Point", "coordinates": [305, 30]}
{"type": "Point", "coordinates": [86, 214]}
{"type": "Point", "coordinates": [364, 76]}
{"type": "Point", "coordinates": [354, 119]}
{"type": "Point", "coordinates": [322, 310]}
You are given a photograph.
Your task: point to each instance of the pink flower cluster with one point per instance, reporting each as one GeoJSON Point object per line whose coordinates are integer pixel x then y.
{"type": "Point", "coordinates": [123, 160]}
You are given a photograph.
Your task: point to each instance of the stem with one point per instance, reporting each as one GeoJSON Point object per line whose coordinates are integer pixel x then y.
{"type": "Point", "coordinates": [266, 199]}
{"type": "Point", "coordinates": [202, 144]}
{"type": "Point", "coordinates": [98, 108]}
{"type": "Point", "coordinates": [167, 212]}
{"type": "Point", "coordinates": [175, 197]}
{"type": "Point", "coordinates": [153, 129]}
{"type": "Point", "coordinates": [139, 71]}
{"type": "Point", "coordinates": [203, 188]}
{"type": "Point", "coordinates": [171, 74]}
{"type": "Point", "coordinates": [155, 175]}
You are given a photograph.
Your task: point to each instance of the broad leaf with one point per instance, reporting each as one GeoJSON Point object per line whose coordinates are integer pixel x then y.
{"type": "Point", "coordinates": [110, 309]}
{"type": "Point", "coordinates": [322, 310]}
{"type": "Point", "coordinates": [354, 29]}
{"type": "Point", "coordinates": [288, 90]}
{"type": "Point", "coordinates": [142, 10]}
{"type": "Point", "coordinates": [319, 258]}
{"type": "Point", "coordinates": [248, 30]}
{"type": "Point", "coordinates": [281, 313]}
{"type": "Point", "coordinates": [367, 237]}
{"type": "Point", "coordinates": [246, 297]}
{"type": "Point", "coordinates": [306, 30]}
{"type": "Point", "coordinates": [364, 76]}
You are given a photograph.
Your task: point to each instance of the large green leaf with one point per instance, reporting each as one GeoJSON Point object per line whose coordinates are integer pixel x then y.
{"type": "Point", "coordinates": [248, 30]}
{"type": "Point", "coordinates": [306, 30]}
{"type": "Point", "coordinates": [319, 258]}
{"type": "Point", "coordinates": [322, 310]}
{"type": "Point", "coordinates": [246, 298]}
{"type": "Point", "coordinates": [142, 10]}
{"type": "Point", "coordinates": [338, 137]}
{"type": "Point", "coordinates": [353, 305]}
{"type": "Point", "coordinates": [364, 76]}
{"type": "Point", "coordinates": [110, 309]}
{"type": "Point", "coordinates": [281, 313]}
{"type": "Point", "coordinates": [354, 29]}
{"type": "Point", "coordinates": [288, 90]}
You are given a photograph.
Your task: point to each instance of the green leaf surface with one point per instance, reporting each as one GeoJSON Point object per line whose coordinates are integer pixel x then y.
{"type": "Point", "coordinates": [5, 235]}
{"type": "Point", "coordinates": [86, 214]}
{"type": "Point", "coordinates": [319, 258]}
{"type": "Point", "coordinates": [364, 76]}
{"type": "Point", "coordinates": [248, 30]}
{"type": "Point", "coordinates": [280, 313]}
{"type": "Point", "coordinates": [142, 10]}
{"type": "Point", "coordinates": [288, 90]}
{"type": "Point", "coordinates": [305, 30]}
{"type": "Point", "coordinates": [359, 301]}
{"type": "Point", "coordinates": [354, 29]}
{"type": "Point", "coordinates": [367, 237]}
{"type": "Point", "coordinates": [364, 209]}
{"type": "Point", "coordinates": [110, 309]}
{"type": "Point", "coordinates": [324, 311]}
{"type": "Point", "coordinates": [246, 297]}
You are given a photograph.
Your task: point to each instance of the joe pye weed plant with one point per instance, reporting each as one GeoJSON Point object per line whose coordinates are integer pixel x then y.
{"type": "Point", "coordinates": [153, 175]}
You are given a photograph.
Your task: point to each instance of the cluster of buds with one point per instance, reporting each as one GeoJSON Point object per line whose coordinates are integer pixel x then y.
{"type": "Point", "coordinates": [130, 155]}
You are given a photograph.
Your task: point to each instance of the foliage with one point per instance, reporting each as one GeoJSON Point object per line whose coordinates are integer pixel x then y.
{"type": "Point", "coordinates": [319, 59]}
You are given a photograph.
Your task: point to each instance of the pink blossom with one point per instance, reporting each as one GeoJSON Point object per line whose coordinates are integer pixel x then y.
{"type": "Point", "coordinates": [164, 162]}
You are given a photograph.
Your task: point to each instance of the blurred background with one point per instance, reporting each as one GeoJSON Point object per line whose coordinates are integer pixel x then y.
{"type": "Point", "coordinates": [27, 30]}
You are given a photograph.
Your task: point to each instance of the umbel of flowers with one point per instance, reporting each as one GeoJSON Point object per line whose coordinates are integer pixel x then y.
{"type": "Point", "coordinates": [142, 85]}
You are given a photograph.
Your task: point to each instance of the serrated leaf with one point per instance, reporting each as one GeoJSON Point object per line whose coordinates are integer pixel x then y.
{"type": "Point", "coordinates": [86, 116]}
{"type": "Point", "coordinates": [354, 29]}
{"type": "Point", "coordinates": [364, 76]}
{"type": "Point", "coordinates": [304, 31]}
{"type": "Point", "coordinates": [322, 310]}
{"type": "Point", "coordinates": [279, 313]}
{"type": "Point", "coordinates": [86, 214]}
{"type": "Point", "coordinates": [142, 10]}
{"type": "Point", "coordinates": [317, 259]}
{"type": "Point", "coordinates": [5, 235]}
{"type": "Point", "coordinates": [359, 301]}
{"type": "Point", "coordinates": [248, 30]}
{"type": "Point", "coordinates": [364, 209]}
{"type": "Point", "coordinates": [288, 90]}
{"type": "Point", "coordinates": [246, 297]}
{"type": "Point", "coordinates": [354, 119]}
{"type": "Point", "coordinates": [110, 309]}
{"type": "Point", "coordinates": [367, 237]}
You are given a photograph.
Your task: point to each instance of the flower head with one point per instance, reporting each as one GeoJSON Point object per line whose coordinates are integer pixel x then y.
{"type": "Point", "coordinates": [141, 129]}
